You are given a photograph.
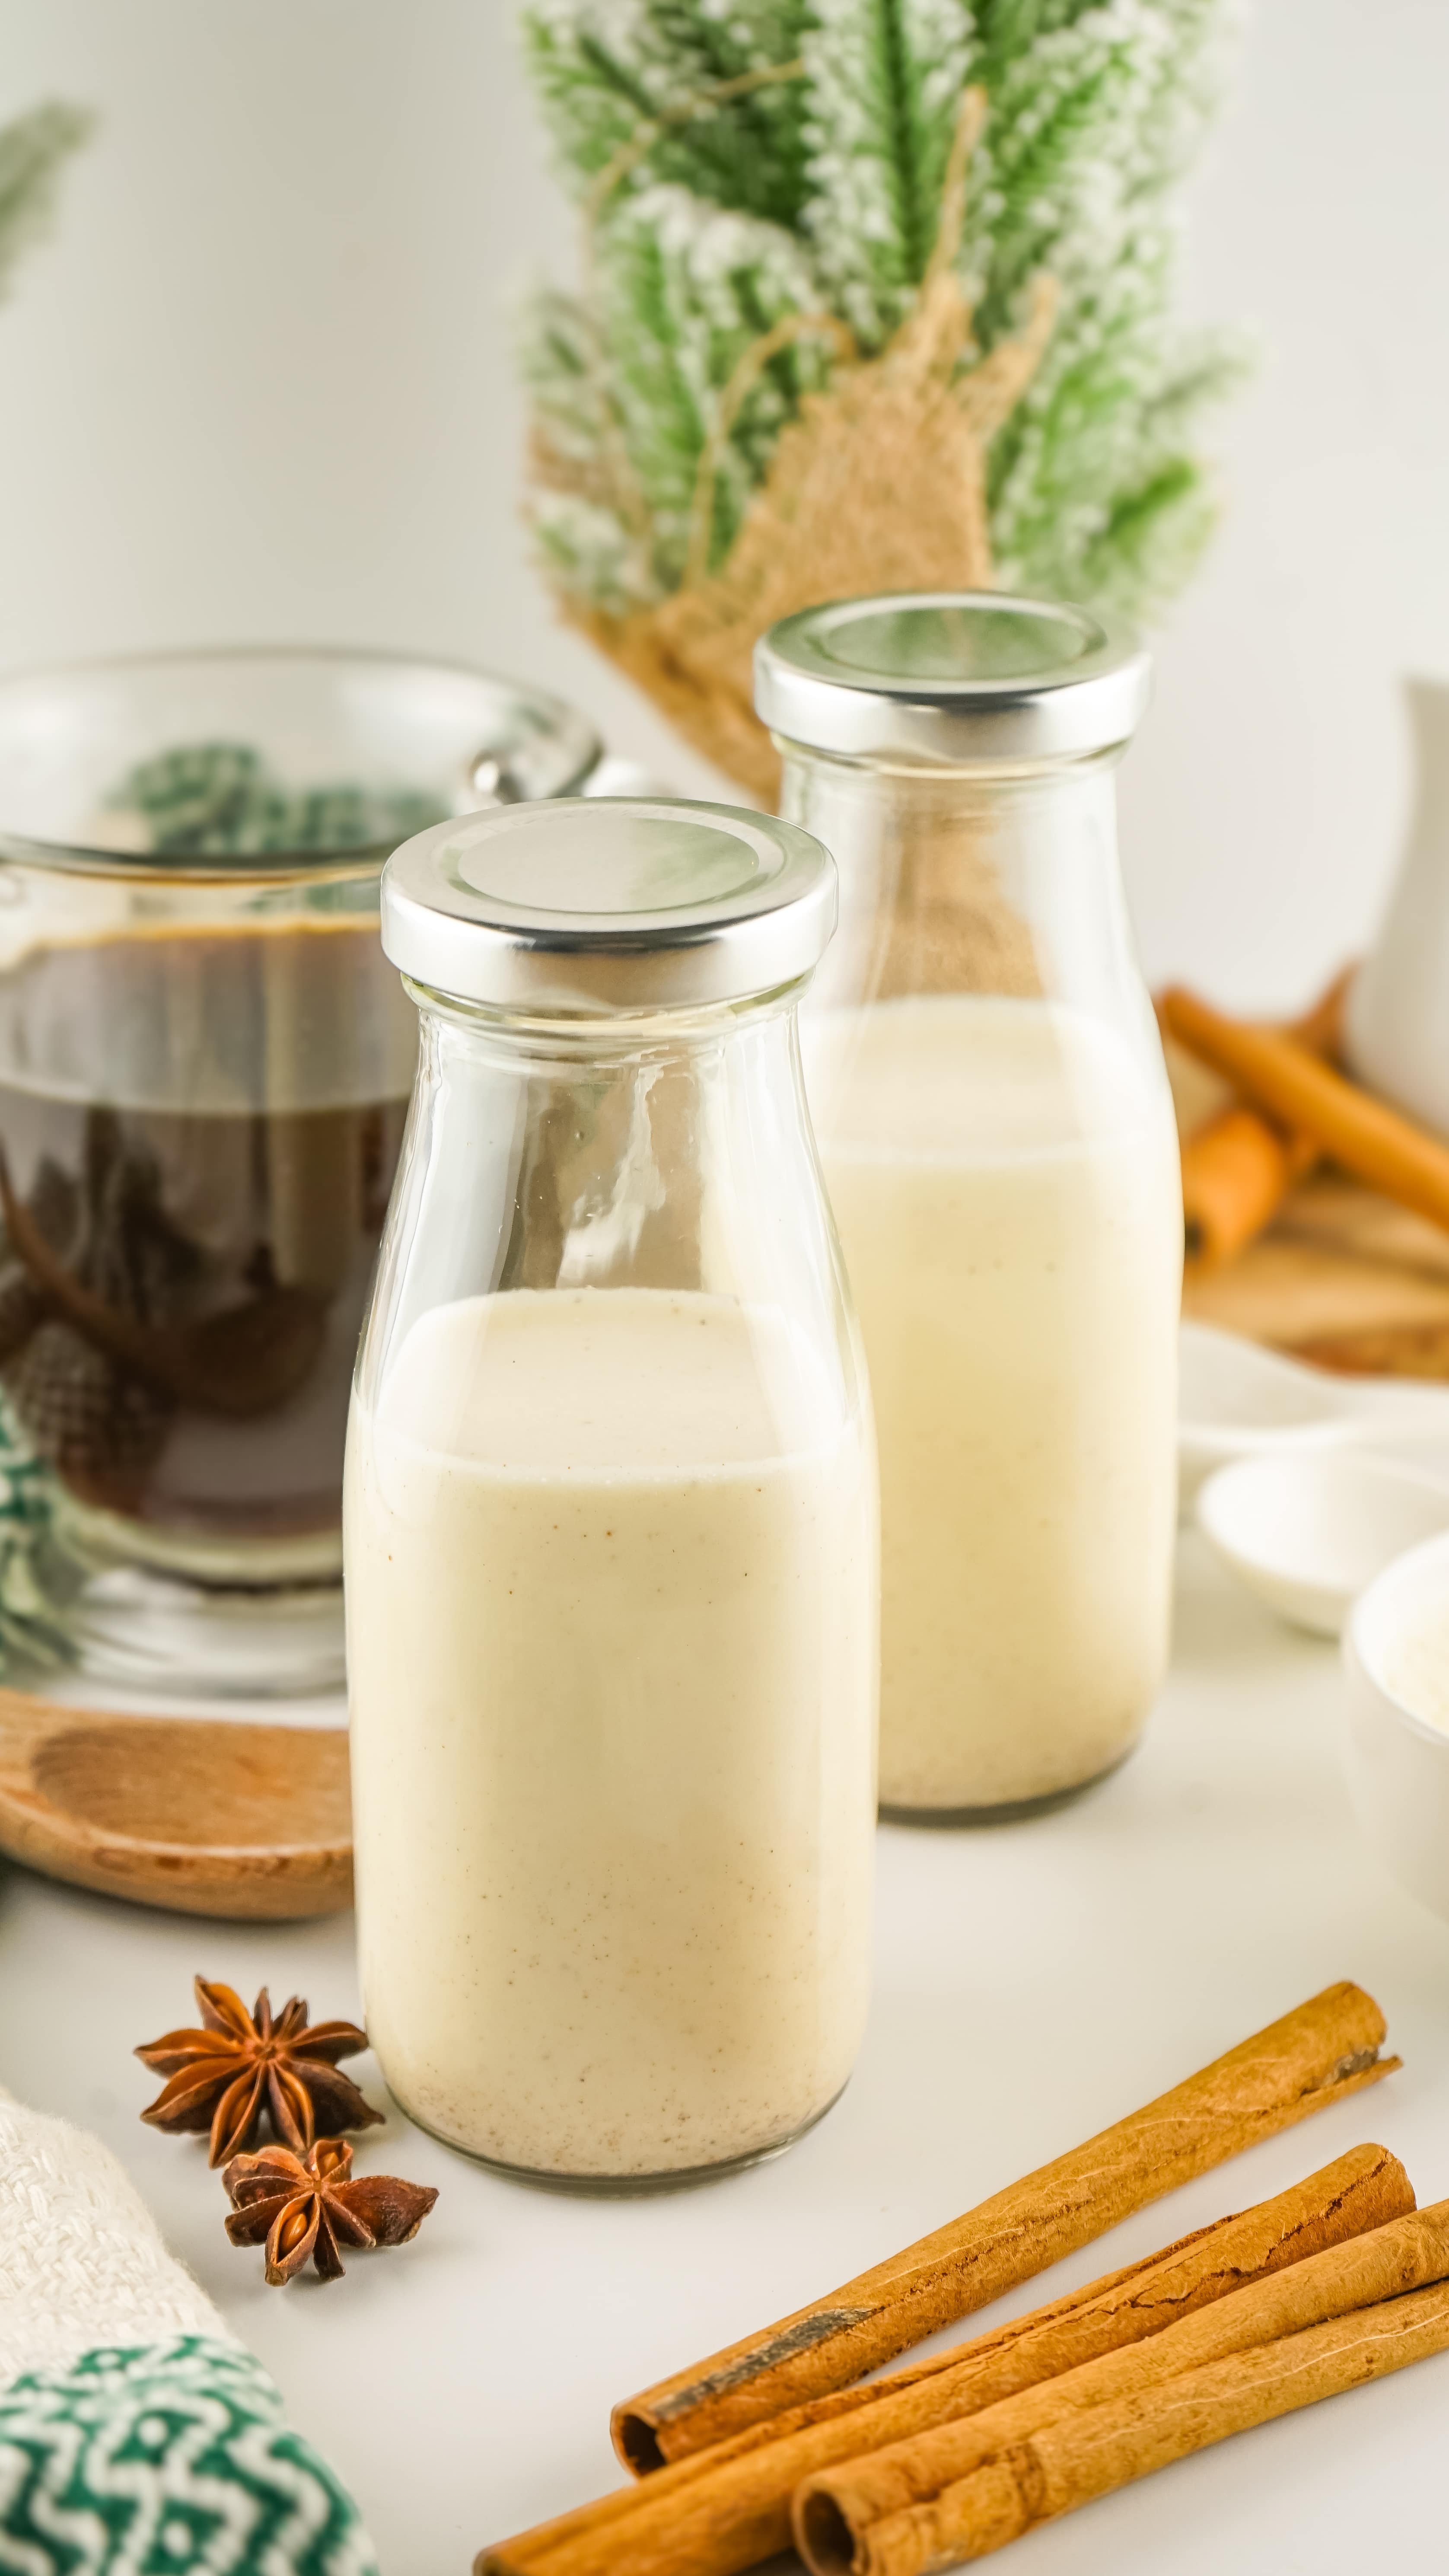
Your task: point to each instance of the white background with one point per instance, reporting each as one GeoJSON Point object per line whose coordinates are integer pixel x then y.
{"type": "Point", "coordinates": [260, 385]}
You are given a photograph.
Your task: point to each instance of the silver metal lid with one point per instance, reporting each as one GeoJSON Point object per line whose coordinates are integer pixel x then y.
{"type": "Point", "coordinates": [602, 904]}
{"type": "Point", "coordinates": [970, 678]}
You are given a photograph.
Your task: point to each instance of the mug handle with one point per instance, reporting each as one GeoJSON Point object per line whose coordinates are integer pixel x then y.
{"type": "Point", "coordinates": [491, 782]}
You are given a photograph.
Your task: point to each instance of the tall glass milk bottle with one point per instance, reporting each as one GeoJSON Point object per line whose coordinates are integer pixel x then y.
{"type": "Point", "coordinates": [998, 1143]}
{"type": "Point", "coordinates": [610, 1516]}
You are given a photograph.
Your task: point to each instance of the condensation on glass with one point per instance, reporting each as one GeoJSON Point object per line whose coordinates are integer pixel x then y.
{"type": "Point", "coordinates": [611, 1526]}
{"type": "Point", "coordinates": [997, 1136]}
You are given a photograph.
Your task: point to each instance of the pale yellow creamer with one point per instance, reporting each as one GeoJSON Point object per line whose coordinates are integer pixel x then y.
{"type": "Point", "coordinates": [1005, 1179]}
{"type": "Point", "coordinates": [611, 1602]}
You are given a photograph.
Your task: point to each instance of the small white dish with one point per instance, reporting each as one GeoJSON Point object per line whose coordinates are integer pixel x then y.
{"type": "Point", "coordinates": [1398, 1761]}
{"type": "Point", "coordinates": [1237, 1400]}
{"type": "Point", "coordinates": [1307, 1532]}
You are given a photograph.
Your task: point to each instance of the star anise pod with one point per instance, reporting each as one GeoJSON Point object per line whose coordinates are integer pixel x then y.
{"type": "Point", "coordinates": [311, 2205]}
{"type": "Point", "coordinates": [245, 2065]}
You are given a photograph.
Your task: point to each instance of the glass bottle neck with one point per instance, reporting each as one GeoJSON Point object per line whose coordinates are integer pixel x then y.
{"type": "Point", "coordinates": [613, 1038]}
{"type": "Point", "coordinates": [983, 884]}
{"type": "Point", "coordinates": [922, 781]}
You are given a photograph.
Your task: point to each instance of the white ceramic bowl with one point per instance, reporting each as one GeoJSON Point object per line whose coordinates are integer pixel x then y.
{"type": "Point", "coordinates": [1237, 1400]}
{"type": "Point", "coordinates": [1309, 1530]}
{"type": "Point", "coordinates": [1398, 1764]}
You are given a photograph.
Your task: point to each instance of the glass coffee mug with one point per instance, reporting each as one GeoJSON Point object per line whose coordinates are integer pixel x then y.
{"type": "Point", "coordinates": [205, 1063]}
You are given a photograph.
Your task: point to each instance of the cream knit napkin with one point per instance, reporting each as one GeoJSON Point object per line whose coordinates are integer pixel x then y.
{"type": "Point", "coordinates": [136, 2432]}
{"type": "Point", "coordinates": [81, 2258]}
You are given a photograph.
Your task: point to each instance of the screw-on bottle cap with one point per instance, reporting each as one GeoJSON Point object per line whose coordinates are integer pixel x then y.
{"type": "Point", "coordinates": [602, 904]}
{"type": "Point", "coordinates": [970, 679]}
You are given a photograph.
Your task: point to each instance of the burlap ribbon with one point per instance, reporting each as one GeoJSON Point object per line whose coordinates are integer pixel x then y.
{"type": "Point", "coordinates": [878, 484]}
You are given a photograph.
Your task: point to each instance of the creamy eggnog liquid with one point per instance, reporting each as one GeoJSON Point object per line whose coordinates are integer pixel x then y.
{"type": "Point", "coordinates": [1005, 1181]}
{"type": "Point", "coordinates": [611, 1567]}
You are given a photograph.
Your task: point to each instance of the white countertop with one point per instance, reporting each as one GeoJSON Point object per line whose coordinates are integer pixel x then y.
{"type": "Point", "coordinates": [1033, 1982]}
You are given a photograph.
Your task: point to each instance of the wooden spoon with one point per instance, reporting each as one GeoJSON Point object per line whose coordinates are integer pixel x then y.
{"type": "Point", "coordinates": [200, 1816]}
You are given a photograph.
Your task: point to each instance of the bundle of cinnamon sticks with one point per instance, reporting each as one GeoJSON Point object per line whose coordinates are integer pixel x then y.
{"type": "Point", "coordinates": [1289, 1106]}
{"type": "Point", "coordinates": [1336, 2281]}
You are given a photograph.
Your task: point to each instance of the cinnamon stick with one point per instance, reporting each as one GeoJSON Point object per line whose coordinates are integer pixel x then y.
{"type": "Point", "coordinates": [1236, 1173]}
{"type": "Point", "coordinates": [901, 2491]}
{"type": "Point", "coordinates": [1090, 2450]}
{"type": "Point", "coordinates": [1320, 1027]}
{"type": "Point", "coordinates": [1238, 1166]}
{"type": "Point", "coordinates": [1282, 1076]}
{"type": "Point", "coordinates": [724, 2509]}
{"type": "Point", "coordinates": [1316, 2055]}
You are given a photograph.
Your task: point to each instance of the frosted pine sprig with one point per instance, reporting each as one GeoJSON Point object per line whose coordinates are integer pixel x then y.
{"type": "Point", "coordinates": [683, 292]}
{"type": "Point", "coordinates": [742, 160]}
{"type": "Point", "coordinates": [885, 79]}
{"type": "Point", "coordinates": [604, 70]}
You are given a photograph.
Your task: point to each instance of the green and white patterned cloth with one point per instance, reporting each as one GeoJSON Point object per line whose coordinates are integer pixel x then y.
{"type": "Point", "coordinates": [164, 2457]}
{"type": "Point", "coordinates": [33, 1633]}
{"type": "Point", "coordinates": [137, 2436]}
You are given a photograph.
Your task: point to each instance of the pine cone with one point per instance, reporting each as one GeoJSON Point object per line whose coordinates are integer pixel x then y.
{"type": "Point", "coordinates": [54, 1202]}
{"type": "Point", "coordinates": [22, 1307]}
{"type": "Point", "coordinates": [132, 1254]}
{"type": "Point", "coordinates": [100, 1429]}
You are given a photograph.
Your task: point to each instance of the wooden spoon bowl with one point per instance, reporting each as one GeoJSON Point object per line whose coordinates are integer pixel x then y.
{"type": "Point", "coordinates": [202, 1816]}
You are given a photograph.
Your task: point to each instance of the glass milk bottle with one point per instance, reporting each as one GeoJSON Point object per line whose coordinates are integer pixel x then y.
{"type": "Point", "coordinates": [998, 1144]}
{"type": "Point", "coordinates": [610, 1524]}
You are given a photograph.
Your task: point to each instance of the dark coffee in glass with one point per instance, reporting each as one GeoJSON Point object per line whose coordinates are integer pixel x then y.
{"type": "Point", "coordinates": [190, 1203]}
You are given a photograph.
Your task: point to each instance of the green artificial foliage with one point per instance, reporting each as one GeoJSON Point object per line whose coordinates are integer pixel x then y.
{"type": "Point", "coordinates": [739, 161]}
{"type": "Point", "coordinates": [204, 800]}
{"type": "Point", "coordinates": [32, 149]}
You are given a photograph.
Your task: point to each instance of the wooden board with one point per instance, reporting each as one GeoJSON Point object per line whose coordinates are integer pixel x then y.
{"type": "Point", "coordinates": [1343, 1278]}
